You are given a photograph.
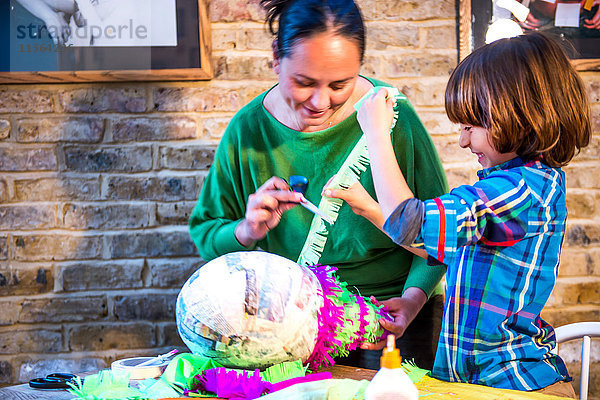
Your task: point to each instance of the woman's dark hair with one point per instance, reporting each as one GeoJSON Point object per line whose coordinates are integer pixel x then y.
{"type": "Point", "coordinates": [526, 93]}
{"type": "Point", "coordinates": [298, 19]}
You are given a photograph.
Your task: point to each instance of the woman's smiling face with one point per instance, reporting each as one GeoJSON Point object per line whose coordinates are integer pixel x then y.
{"type": "Point", "coordinates": [318, 77]}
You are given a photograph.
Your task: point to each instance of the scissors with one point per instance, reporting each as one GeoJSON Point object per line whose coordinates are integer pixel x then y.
{"type": "Point", "coordinates": [57, 380]}
{"type": "Point", "coordinates": [299, 183]}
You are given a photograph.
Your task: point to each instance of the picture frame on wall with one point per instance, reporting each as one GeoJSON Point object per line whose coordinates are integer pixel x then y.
{"type": "Point", "coordinates": [53, 41]}
{"type": "Point", "coordinates": [576, 22]}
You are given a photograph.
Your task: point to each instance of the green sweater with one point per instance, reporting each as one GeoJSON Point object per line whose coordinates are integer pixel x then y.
{"type": "Point", "coordinates": [256, 146]}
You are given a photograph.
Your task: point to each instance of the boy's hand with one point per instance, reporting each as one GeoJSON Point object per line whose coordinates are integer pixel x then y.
{"type": "Point", "coordinates": [359, 200]}
{"type": "Point", "coordinates": [376, 114]}
{"type": "Point", "coordinates": [403, 309]}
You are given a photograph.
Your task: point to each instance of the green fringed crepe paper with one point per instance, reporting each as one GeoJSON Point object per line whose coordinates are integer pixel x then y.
{"type": "Point", "coordinates": [181, 371]}
{"type": "Point", "coordinates": [284, 371]}
{"type": "Point", "coordinates": [349, 173]}
{"type": "Point", "coordinates": [106, 384]}
{"type": "Point", "coordinates": [414, 373]}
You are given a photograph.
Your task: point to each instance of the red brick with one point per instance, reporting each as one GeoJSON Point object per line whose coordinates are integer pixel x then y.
{"type": "Point", "coordinates": [25, 217]}
{"type": "Point", "coordinates": [63, 309]}
{"type": "Point", "coordinates": [106, 215]}
{"type": "Point", "coordinates": [583, 176]}
{"type": "Point", "coordinates": [37, 340]}
{"type": "Point", "coordinates": [173, 273]}
{"type": "Point", "coordinates": [105, 159]}
{"type": "Point", "coordinates": [60, 129]}
{"type": "Point", "coordinates": [200, 99]}
{"type": "Point", "coordinates": [186, 157]}
{"type": "Point", "coordinates": [177, 213]}
{"type": "Point", "coordinates": [243, 66]}
{"type": "Point", "coordinates": [103, 99]}
{"type": "Point", "coordinates": [235, 10]}
{"type": "Point", "coordinates": [145, 129]}
{"type": "Point", "coordinates": [4, 128]}
{"type": "Point", "coordinates": [163, 188]}
{"type": "Point", "coordinates": [421, 64]}
{"type": "Point", "coordinates": [15, 159]}
{"type": "Point", "coordinates": [51, 246]}
{"type": "Point", "coordinates": [162, 243]}
{"type": "Point", "coordinates": [25, 279]}
{"type": "Point", "coordinates": [83, 276]}
{"type": "Point", "coordinates": [52, 189]}
{"type": "Point", "coordinates": [20, 99]}
{"type": "Point", "coordinates": [150, 307]}
{"type": "Point", "coordinates": [382, 37]}
{"type": "Point", "coordinates": [100, 337]}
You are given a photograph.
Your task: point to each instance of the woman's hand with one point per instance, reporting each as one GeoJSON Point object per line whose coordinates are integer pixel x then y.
{"type": "Point", "coordinates": [403, 309]}
{"type": "Point", "coordinates": [376, 114]}
{"type": "Point", "coordinates": [359, 200]}
{"type": "Point", "coordinates": [264, 210]}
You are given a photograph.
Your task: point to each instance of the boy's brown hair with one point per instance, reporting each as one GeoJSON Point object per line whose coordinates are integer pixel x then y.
{"type": "Point", "coordinates": [526, 93]}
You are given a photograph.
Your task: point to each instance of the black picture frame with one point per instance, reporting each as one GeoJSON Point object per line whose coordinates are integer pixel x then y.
{"type": "Point", "coordinates": [476, 15]}
{"type": "Point", "coordinates": [29, 58]}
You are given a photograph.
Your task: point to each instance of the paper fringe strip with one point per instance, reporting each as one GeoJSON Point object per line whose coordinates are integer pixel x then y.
{"type": "Point", "coordinates": [232, 384]}
{"type": "Point", "coordinates": [345, 320]}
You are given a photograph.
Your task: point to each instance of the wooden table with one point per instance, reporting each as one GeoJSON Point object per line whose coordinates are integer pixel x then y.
{"type": "Point", "coordinates": [24, 392]}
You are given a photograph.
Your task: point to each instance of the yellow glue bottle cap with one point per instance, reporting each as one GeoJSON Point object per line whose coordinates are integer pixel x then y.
{"type": "Point", "coordinates": [391, 355]}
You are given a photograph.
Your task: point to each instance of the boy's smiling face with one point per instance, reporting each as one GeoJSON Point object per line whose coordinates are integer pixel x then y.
{"type": "Point", "coordinates": [478, 140]}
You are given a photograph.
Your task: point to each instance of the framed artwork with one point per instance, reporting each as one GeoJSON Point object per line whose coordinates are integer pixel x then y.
{"type": "Point", "coordinates": [54, 41]}
{"type": "Point", "coordinates": [576, 22]}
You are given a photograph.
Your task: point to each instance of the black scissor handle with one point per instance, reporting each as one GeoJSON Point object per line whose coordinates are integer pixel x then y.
{"type": "Point", "coordinates": [56, 380]}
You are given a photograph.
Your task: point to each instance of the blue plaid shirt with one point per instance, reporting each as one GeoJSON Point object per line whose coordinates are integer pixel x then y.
{"type": "Point", "coordinates": [501, 240]}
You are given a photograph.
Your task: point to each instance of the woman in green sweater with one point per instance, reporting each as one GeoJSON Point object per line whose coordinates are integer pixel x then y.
{"type": "Point", "coordinates": [306, 125]}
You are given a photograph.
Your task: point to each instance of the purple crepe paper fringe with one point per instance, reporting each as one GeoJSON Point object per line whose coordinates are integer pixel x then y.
{"type": "Point", "coordinates": [231, 384]}
{"type": "Point", "coordinates": [319, 376]}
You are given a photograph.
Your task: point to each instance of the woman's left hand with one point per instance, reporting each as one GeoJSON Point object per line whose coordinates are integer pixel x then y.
{"type": "Point", "coordinates": [376, 114]}
{"type": "Point", "coordinates": [403, 309]}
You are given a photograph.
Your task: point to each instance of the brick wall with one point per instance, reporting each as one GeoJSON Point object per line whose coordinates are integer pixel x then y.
{"type": "Point", "coordinates": [97, 182]}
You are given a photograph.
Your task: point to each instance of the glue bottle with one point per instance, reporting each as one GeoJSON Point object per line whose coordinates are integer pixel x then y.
{"type": "Point", "coordinates": [391, 382]}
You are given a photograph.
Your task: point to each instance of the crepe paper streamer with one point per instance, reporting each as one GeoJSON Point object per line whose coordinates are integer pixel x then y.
{"type": "Point", "coordinates": [182, 369]}
{"type": "Point", "coordinates": [349, 173]}
{"type": "Point", "coordinates": [588, 4]}
{"type": "Point", "coordinates": [158, 389]}
{"type": "Point", "coordinates": [284, 371]}
{"type": "Point", "coordinates": [326, 389]}
{"type": "Point", "coordinates": [106, 384]}
{"type": "Point", "coordinates": [345, 320]}
{"type": "Point", "coordinates": [294, 381]}
{"type": "Point", "coordinates": [413, 371]}
{"type": "Point", "coordinates": [231, 384]}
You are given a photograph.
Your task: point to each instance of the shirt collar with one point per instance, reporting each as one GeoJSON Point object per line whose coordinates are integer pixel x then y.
{"type": "Point", "coordinates": [513, 163]}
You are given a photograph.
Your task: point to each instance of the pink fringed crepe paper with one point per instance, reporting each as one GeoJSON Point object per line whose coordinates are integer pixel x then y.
{"type": "Point", "coordinates": [338, 333]}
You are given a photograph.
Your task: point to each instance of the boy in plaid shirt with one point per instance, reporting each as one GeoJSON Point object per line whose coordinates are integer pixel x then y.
{"type": "Point", "coordinates": [523, 112]}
